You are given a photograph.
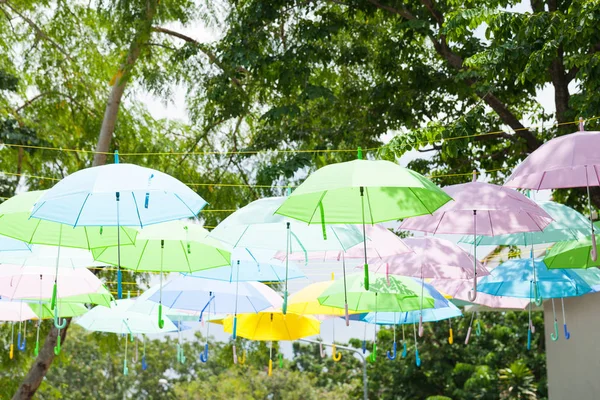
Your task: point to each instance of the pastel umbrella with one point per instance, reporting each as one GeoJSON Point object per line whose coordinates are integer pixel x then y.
{"type": "Point", "coordinates": [257, 226]}
{"type": "Point", "coordinates": [591, 276]}
{"type": "Point", "coordinates": [305, 301]}
{"type": "Point", "coordinates": [118, 195]}
{"type": "Point", "coordinates": [572, 254]}
{"type": "Point", "coordinates": [16, 311]}
{"type": "Point", "coordinates": [401, 294]}
{"type": "Point", "coordinates": [175, 246]}
{"type": "Point", "coordinates": [564, 162]}
{"type": "Point", "coordinates": [66, 310]}
{"type": "Point", "coordinates": [482, 209]}
{"type": "Point", "coordinates": [460, 289]}
{"type": "Point", "coordinates": [248, 270]}
{"type": "Point", "coordinates": [362, 192]}
{"type": "Point", "coordinates": [100, 297]}
{"type": "Point", "coordinates": [411, 317]}
{"type": "Point", "coordinates": [143, 305]}
{"type": "Point", "coordinates": [50, 256]}
{"type": "Point", "coordinates": [10, 244]}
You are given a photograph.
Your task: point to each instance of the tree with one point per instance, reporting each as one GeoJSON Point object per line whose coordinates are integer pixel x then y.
{"type": "Point", "coordinates": [517, 382]}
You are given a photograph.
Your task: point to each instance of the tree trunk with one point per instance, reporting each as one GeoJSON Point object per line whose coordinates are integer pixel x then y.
{"type": "Point", "coordinates": [40, 367]}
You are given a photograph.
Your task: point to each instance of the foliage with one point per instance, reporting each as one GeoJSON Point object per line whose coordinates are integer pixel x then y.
{"type": "Point", "coordinates": [517, 382]}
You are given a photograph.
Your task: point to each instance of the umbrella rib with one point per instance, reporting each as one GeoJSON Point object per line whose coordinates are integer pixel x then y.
{"type": "Point", "coordinates": [490, 219]}
{"type": "Point", "coordinates": [137, 267]}
{"type": "Point", "coordinates": [137, 210]}
{"type": "Point", "coordinates": [439, 222]}
{"type": "Point", "coordinates": [420, 201]}
{"type": "Point", "coordinates": [81, 210]}
{"type": "Point", "coordinates": [315, 210]}
{"type": "Point", "coordinates": [187, 260]}
{"type": "Point", "coordinates": [369, 204]}
{"type": "Point", "coordinates": [194, 214]}
{"type": "Point", "coordinates": [534, 221]}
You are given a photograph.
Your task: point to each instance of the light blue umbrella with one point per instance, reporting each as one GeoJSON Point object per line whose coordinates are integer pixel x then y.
{"type": "Point", "coordinates": [257, 226]}
{"type": "Point", "coordinates": [10, 244]}
{"type": "Point", "coordinates": [118, 195]}
{"type": "Point", "coordinates": [248, 270]}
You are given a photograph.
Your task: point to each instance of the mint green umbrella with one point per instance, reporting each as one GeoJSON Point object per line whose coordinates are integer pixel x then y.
{"type": "Point", "coordinates": [572, 254]}
{"type": "Point", "coordinates": [362, 192]}
{"type": "Point", "coordinates": [175, 246]}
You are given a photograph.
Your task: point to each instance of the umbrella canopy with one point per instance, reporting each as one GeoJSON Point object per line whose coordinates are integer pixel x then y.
{"type": "Point", "coordinates": [413, 317]}
{"type": "Point", "coordinates": [50, 256]}
{"type": "Point", "coordinates": [195, 294]}
{"type": "Point", "coordinates": [16, 311]}
{"type": "Point", "coordinates": [100, 297]}
{"type": "Point", "coordinates": [18, 282]}
{"type": "Point", "coordinates": [10, 244]}
{"type": "Point", "coordinates": [273, 325]}
{"type": "Point", "coordinates": [572, 254]}
{"type": "Point", "coordinates": [119, 319]}
{"type": "Point", "coordinates": [305, 301]}
{"type": "Point", "coordinates": [143, 305]}
{"type": "Point", "coordinates": [431, 257]}
{"type": "Point", "coordinates": [514, 278]}
{"type": "Point", "coordinates": [401, 294]}
{"type": "Point", "coordinates": [15, 222]}
{"type": "Point", "coordinates": [91, 196]}
{"type": "Point", "coordinates": [381, 242]}
{"type": "Point", "coordinates": [460, 289]}
{"type": "Point", "coordinates": [65, 310]}
{"type": "Point", "coordinates": [249, 270]}
{"type": "Point", "coordinates": [591, 276]}
{"type": "Point", "coordinates": [568, 224]}
{"type": "Point", "coordinates": [175, 246]}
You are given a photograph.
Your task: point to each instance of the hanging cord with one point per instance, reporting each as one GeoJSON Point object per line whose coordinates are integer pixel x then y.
{"type": "Point", "coordinates": [554, 335]}
{"type": "Point", "coordinates": [594, 251]}
{"type": "Point", "coordinates": [270, 371]}
{"type": "Point", "coordinates": [39, 324]}
{"type": "Point", "coordinates": [161, 323]}
{"type": "Point", "coordinates": [417, 358]}
{"type": "Point", "coordinates": [567, 333]}
{"type": "Point", "coordinates": [234, 330]}
{"type": "Point", "coordinates": [119, 273]}
{"type": "Point", "coordinates": [366, 265]}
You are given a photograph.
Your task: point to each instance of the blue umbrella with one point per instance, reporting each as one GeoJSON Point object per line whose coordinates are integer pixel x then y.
{"type": "Point", "coordinates": [247, 270]}
{"type": "Point", "coordinates": [410, 317]}
{"type": "Point", "coordinates": [118, 195]}
{"type": "Point", "coordinates": [10, 244]}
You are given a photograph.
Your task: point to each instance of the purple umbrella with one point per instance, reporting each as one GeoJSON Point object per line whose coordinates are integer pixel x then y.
{"type": "Point", "coordinates": [564, 162]}
{"type": "Point", "coordinates": [482, 209]}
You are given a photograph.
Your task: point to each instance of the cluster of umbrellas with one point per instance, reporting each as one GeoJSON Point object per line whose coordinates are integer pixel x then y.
{"type": "Point", "coordinates": [143, 220]}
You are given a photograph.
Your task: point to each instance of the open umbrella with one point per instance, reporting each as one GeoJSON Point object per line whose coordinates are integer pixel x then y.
{"type": "Point", "coordinates": [118, 195]}
{"type": "Point", "coordinates": [362, 192]}
{"type": "Point", "coordinates": [256, 226]}
{"type": "Point", "coordinates": [482, 209]}
{"type": "Point", "coordinates": [10, 244]}
{"type": "Point", "coordinates": [305, 301]}
{"type": "Point", "coordinates": [48, 256]}
{"type": "Point", "coordinates": [174, 246]}
{"type": "Point", "coordinates": [572, 254]}
{"type": "Point", "coordinates": [567, 161]}
{"type": "Point", "coordinates": [250, 270]}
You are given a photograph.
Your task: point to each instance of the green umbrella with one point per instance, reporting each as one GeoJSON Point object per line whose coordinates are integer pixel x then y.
{"type": "Point", "coordinates": [66, 310]}
{"type": "Point", "coordinates": [360, 192]}
{"type": "Point", "coordinates": [396, 294]}
{"type": "Point", "coordinates": [102, 297]}
{"type": "Point", "coordinates": [175, 246]}
{"type": "Point", "coordinates": [572, 254]}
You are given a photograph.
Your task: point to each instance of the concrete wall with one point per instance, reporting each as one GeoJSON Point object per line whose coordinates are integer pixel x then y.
{"type": "Point", "coordinates": [574, 364]}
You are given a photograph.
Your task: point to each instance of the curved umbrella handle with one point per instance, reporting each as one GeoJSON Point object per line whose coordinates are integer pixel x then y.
{"type": "Point", "coordinates": [144, 363]}
{"type": "Point", "coordinates": [468, 335]}
{"type": "Point", "coordinates": [57, 347]}
{"type": "Point", "coordinates": [322, 351]}
{"type": "Point", "coordinates": [125, 369]}
{"type": "Point", "coordinates": [477, 328]}
{"type": "Point", "coordinates": [364, 346]}
{"type": "Point", "coordinates": [270, 367]}
{"type": "Point", "coordinates": [417, 358]}
{"type": "Point", "coordinates": [392, 356]}
{"type": "Point", "coordinates": [421, 330]}
{"type": "Point", "coordinates": [567, 333]}
{"type": "Point", "coordinates": [594, 251]}
{"type": "Point", "coordinates": [528, 339]}
{"type": "Point", "coordinates": [21, 345]}
{"type": "Point", "coordinates": [451, 337]}
{"type": "Point", "coordinates": [57, 324]}
{"type": "Point", "coordinates": [234, 333]}
{"type": "Point", "coordinates": [336, 356]}
{"type": "Point", "coordinates": [204, 355]}
{"type": "Point", "coordinates": [537, 298]}
{"type": "Point", "coordinates": [473, 294]}
{"type": "Point", "coordinates": [242, 359]}
{"type": "Point", "coordinates": [404, 350]}
{"type": "Point", "coordinates": [554, 335]}
{"type": "Point", "coordinates": [373, 356]}
{"type": "Point", "coordinates": [234, 351]}
{"type": "Point", "coordinates": [161, 322]}
{"type": "Point", "coordinates": [11, 352]}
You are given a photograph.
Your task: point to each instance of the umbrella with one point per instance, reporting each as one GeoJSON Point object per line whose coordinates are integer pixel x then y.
{"type": "Point", "coordinates": [256, 226]}
{"type": "Point", "coordinates": [48, 256]}
{"type": "Point", "coordinates": [247, 270]}
{"type": "Point", "coordinates": [336, 193]}
{"type": "Point", "coordinates": [118, 195]}
{"type": "Point", "coordinates": [564, 162]}
{"type": "Point", "coordinates": [273, 325]}
{"type": "Point", "coordinates": [174, 246]}
{"type": "Point", "coordinates": [143, 305]}
{"type": "Point", "coordinates": [459, 290]}
{"type": "Point", "coordinates": [10, 244]}
{"type": "Point", "coordinates": [100, 297]}
{"type": "Point", "coordinates": [482, 209]}
{"type": "Point", "coordinates": [305, 301]}
{"type": "Point", "coordinates": [572, 254]}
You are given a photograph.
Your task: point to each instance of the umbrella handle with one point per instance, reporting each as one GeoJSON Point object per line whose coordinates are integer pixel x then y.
{"type": "Point", "coordinates": [421, 330]}
{"type": "Point", "coordinates": [36, 351]}
{"type": "Point", "coordinates": [366, 282]}
{"type": "Point", "coordinates": [477, 328]}
{"type": "Point", "coordinates": [270, 367]}
{"type": "Point", "coordinates": [417, 358]}
{"type": "Point", "coordinates": [392, 355]}
{"type": "Point", "coordinates": [594, 251]}
{"type": "Point", "coordinates": [204, 355]}
{"type": "Point", "coordinates": [537, 298]}
{"type": "Point", "coordinates": [451, 337]}
{"type": "Point", "coordinates": [57, 324]}
{"type": "Point", "coordinates": [21, 345]}
{"type": "Point", "coordinates": [234, 351]}
{"type": "Point", "coordinates": [347, 315]}
{"type": "Point", "coordinates": [528, 339]}
{"type": "Point", "coordinates": [322, 351]}
{"type": "Point", "coordinates": [57, 347]}
{"type": "Point", "coordinates": [182, 356]}
{"type": "Point", "coordinates": [285, 301]}
{"type": "Point", "coordinates": [242, 359]}
{"type": "Point", "coordinates": [364, 346]}
{"type": "Point", "coordinates": [336, 356]}
{"type": "Point", "coordinates": [234, 328]}
{"type": "Point", "coordinates": [280, 360]}
{"type": "Point", "coordinates": [11, 352]}
{"type": "Point", "coordinates": [161, 322]}
{"type": "Point", "coordinates": [567, 333]}
{"type": "Point", "coordinates": [473, 294]}
{"type": "Point", "coordinates": [54, 293]}
{"type": "Point", "coordinates": [404, 350]}
{"type": "Point", "coordinates": [144, 363]}
{"type": "Point", "coordinates": [125, 369]}
{"type": "Point", "coordinates": [373, 356]}
{"type": "Point", "coordinates": [554, 335]}
{"type": "Point", "coordinates": [468, 335]}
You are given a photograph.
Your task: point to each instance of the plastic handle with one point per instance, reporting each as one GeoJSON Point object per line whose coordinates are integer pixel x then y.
{"type": "Point", "coordinates": [57, 324]}
{"type": "Point", "coordinates": [567, 333]}
{"type": "Point", "coordinates": [125, 369]}
{"type": "Point", "coordinates": [144, 363]}
{"type": "Point", "coordinates": [119, 284]}
{"type": "Point", "coordinates": [161, 323]}
{"type": "Point", "coordinates": [322, 350]}
{"type": "Point", "coordinates": [36, 351]}
{"type": "Point", "coordinates": [528, 339]}
{"type": "Point", "coordinates": [21, 345]}
{"type": "Point", "coordinates": [451, 337]}
{"type": "Point", "coordinates": [392, 356]}
{"type": "Point", "coordinates": [11, 352]}
{"type": "Point", "coordinates": [182, 356]}
{"type": "Point", "coordinates": [204, 355]}
{"type": "Point", "coordinates": [280, 360]}
{"type": "Point", "coordinates": [347, 315]}
{"type": "Point", "coordinates": [336, 356]}
{"type": "Point", "coordinates": [477, 328]}
{"type": "Point", "coordinates": [373, 355]}
{"type": "Point", "coordinates": [554, 335]}
{"type": "Point", "coordinates": [468, 336]}
{"type": "Point", "coordinates": [417, 358]}
{"type": "Point", "coordinates": [242, 359]}
{"type": "Point", "coordinates": [146, 200]}
{"type": "Point", "coordinates": [285, 300]}
{"type": "Point", "coordinates": [366, 266]}
{"type": "Point", "coordinates": [473, 294]}
{"type": "Point", "coordinates": [421, 330]}
{"type": "Point", "coordinates": [235, 358]}
{"type": "Point", "coordinates": [54, 293]}
{"type": "Point", "coordinates": [234, 328]}
{"type": "Point", "coordinates": [270, 367]}
{"type": "Point", "coordinates": [538, 299]}
{"type": "Point", "coordinates": [57, 347]}
{"type": "Point", "coordinates": [404, 350]}
{"type": "Point", "coordinates": [364, 346]}
{"type": "Point", "coordinates": [594, 251]}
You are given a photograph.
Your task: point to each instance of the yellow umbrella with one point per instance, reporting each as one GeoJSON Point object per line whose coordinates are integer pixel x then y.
{"type": "Point", "coordinates": [273, 325]}
{"type": "Point", "coordinates": [305, 301]}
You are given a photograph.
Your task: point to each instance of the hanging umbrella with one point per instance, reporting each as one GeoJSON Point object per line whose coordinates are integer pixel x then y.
{"type": "Point", "coordinates": [305, 301]}
{"type": "Point", "coordinates": [362, 192]}
{"type": "Point", "coordinates": [118, 195]}
{"type": "Point", "coordinates": [411, 317]}
{"type": "Point", "coordinates": [401, 294]}
{"type": "Point", "coordinates": [256, 226]}
{"type": "Point", "coordinates": [16, 311]}
{"type": "Point", "coordinates": [572, 254]}
{"type": "Point", "coordinates": [143, 305]}
{"type": "Point", "coordinates": [175, 246]}
{"type": "Point", "coordinates": [567, 161]}
{"type": "Point", "coordinates": [248, 270]}
{"type": "Point", "coordinates": [460, 289]}
{"type": "Point", "coordinates": [482, 209]}
{"type": "Point", "coordinates": [10, 244]}
{"type": "Point", "coordinates": [48, 256]}
{"type": "Point", "coordinates": [100, 297]}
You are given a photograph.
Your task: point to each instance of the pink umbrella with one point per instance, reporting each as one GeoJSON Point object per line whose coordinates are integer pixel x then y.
{"type": "Point", "coordinates": [564, 162]}
{"type": "Point", "coordinates": [482, 209]}
{"type": "Point", "coordinates": [460, 290]}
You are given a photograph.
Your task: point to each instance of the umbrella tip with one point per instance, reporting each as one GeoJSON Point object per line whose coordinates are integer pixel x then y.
{"type": "Point", "coordinates": [581, 123]}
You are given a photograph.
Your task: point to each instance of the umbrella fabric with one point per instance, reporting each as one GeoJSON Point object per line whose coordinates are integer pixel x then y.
{"type": "Point", "coordinates": [250, 271]}
{"type": "Point", "coordinates": [49, 256]}
{"type": "Point", "coordinates": [460, 289]}
{"type": "Point", "coordinates": [331, 195]}
{"type": "Point", "coordinates": [15, 222]}
{"type": "Point", "coordinates": [118, 319]}
{"type": "Point", "coordinates": [431, 258]}
{"type": "Point", "coordinates": [89, 198]}
{"type": "Point", "coordinates": [65, 310]}
{"type": "Point", "coordinates": [499, 211]}
{"type": "Point", "coordinates": [175, 246]}
{"type": "Point", "coordinates": [18, 282]}
{"type": "Point", "coordinates": [305, 301]}
{"type": "Point", "coordinates": [568, 224]}
{"type": "Point", "coordinates": [191, 293]}
{"type": "Point", "coordinates": [256, 226]}
{"type": "Point", "coordinates": [10, 244]}
{"type": "Point", "coordinates": [402, 294]}
{"type": "Point", "coordinates": [100, 297]}
{"type": "Point", "coordinates": [16, 311]}
{"type": "Point", "coordinates": [143, 305]}
{"type": "Point", "coordinates": [413, 317]}
{"type": "Point", "coordinates": [591, 276]}
{"type": "Point", "coordinates": [514, 278]}
{"type": "Point", "coordinates": [380, 243]}
{"type": "Point", "coordinates": [572, 254]}
{"type": "Point", "coordinates": [273, 325]}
